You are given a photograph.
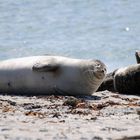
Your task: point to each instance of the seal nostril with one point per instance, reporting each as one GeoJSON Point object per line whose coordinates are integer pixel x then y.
{"type": "Point", "coordinates": [102, 70]}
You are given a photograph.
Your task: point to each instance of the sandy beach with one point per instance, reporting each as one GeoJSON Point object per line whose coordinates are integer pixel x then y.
{"type": "Point", "coordinates": [105, 115]}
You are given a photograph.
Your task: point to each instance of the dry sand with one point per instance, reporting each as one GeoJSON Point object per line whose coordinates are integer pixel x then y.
{"type": "Point", "coordinates": [103, 116]}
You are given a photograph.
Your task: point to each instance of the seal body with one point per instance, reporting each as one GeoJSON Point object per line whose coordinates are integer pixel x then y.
{"type": "Point", "coordinates": [46, 75]}
{"type": "Point", "coordinates": [127, 80]}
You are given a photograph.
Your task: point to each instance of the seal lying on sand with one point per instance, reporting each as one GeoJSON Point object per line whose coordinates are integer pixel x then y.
{"type": "Point", "coordinates": [38, 75]}
{"type": "Point", "coordinates": [124, 80]}
{"type": "Point", "coordinates": [127, 80]}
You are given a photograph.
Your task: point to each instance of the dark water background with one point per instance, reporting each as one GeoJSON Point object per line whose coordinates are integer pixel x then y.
{"type": "Point", "coordinates": [100, 29]}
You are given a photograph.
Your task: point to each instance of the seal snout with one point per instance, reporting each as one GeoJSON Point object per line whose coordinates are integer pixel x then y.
{"type": "Point", "coordinates": [100, 67]}
{"type": "Point", "coordinates": [102, 70]}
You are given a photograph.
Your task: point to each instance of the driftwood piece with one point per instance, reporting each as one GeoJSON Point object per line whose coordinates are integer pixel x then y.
{"type": "Point", "coordinates": [137, 54]}
{"type": "Point", "coordinates": [108, 82]}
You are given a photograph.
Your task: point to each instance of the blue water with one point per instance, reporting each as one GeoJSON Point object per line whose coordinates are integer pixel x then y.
{"type": "Point", "coordinates": [108, 30]}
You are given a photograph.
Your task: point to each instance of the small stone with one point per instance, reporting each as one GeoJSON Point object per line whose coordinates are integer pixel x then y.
{"type": "Point", "coordinates": [71, 101]}
{"type": "Point", "coordinates": [93, 118]}
{"type": "Point", "coordinates": [138, 111]}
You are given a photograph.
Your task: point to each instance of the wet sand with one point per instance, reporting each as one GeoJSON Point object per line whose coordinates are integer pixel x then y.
{"type": "Point", "coordinates": [105, 115]}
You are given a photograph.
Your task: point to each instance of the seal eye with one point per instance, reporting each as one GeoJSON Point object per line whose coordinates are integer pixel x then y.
{"type": "Point", "coordinates": [98, 65]}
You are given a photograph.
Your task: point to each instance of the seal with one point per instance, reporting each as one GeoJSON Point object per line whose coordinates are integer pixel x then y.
{"type": "Point", "coordinates": [127, 80]}
{"type": "Point", "coordinates": [108, 83]}
{"type": "Point", "coordinates": [137, 54]}
{"type": "Point", "coordinates": [45, 75]}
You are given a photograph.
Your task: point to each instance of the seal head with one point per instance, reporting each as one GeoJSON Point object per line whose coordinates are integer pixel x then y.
{"type": "Point", "coordinates": [94, 74]}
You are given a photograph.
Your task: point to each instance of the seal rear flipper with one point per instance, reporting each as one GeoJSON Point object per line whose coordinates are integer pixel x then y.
{"type": "Point", "coordinates": [137, 54]}
{"type": "Point", "coordinates": [42, 67]}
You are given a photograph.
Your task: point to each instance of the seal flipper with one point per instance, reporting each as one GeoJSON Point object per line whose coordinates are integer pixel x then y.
{"type": "Point", "coordinates": [42, 67]}
{"type": "Point", "coordinates": [137, 54]}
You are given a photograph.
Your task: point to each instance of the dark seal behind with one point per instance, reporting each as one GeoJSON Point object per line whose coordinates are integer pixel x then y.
{"type": "Point", "coordinates": [127, 80]}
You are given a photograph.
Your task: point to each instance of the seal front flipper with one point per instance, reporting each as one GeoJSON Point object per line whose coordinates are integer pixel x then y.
{"type": "Point", "coordinates": [44, 67]}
